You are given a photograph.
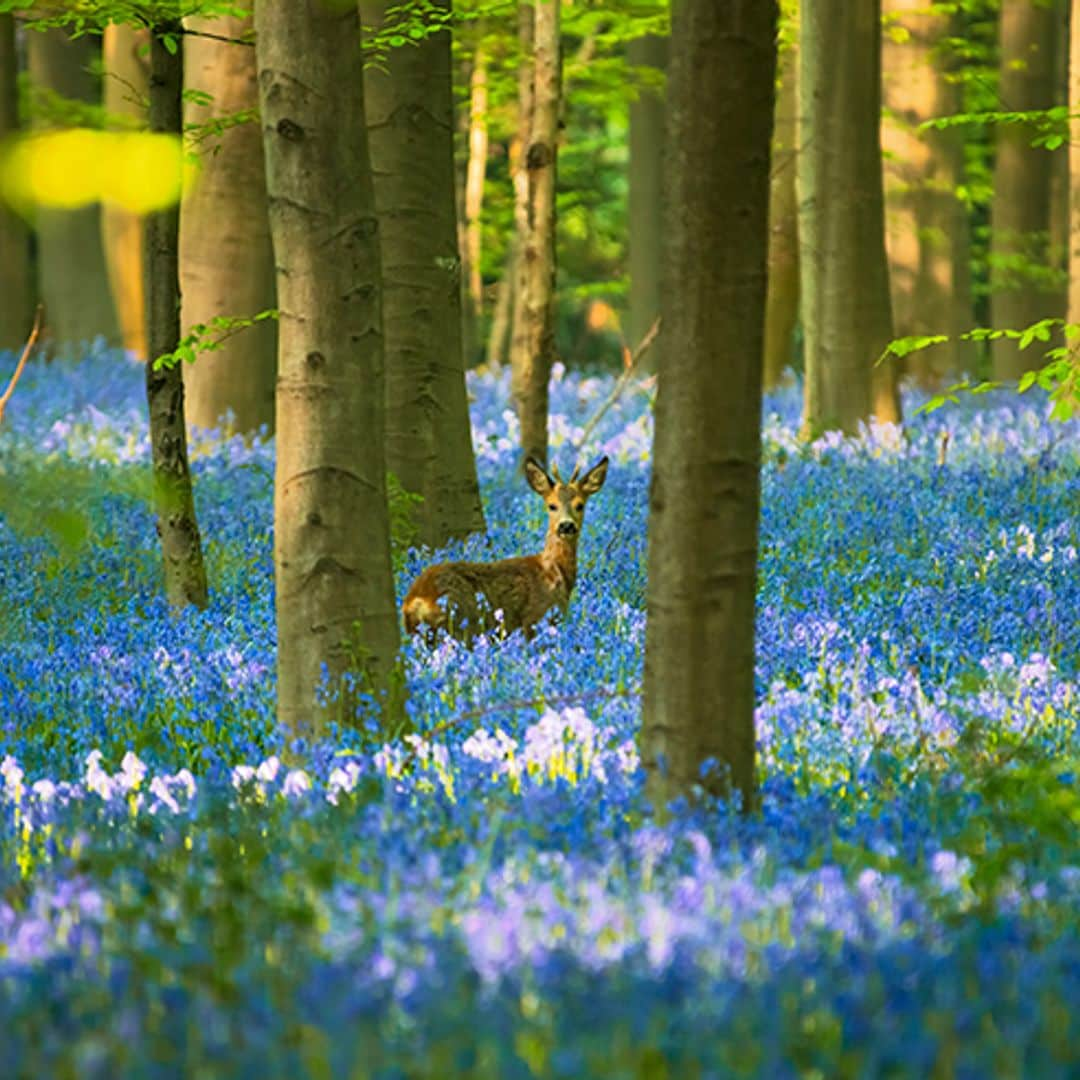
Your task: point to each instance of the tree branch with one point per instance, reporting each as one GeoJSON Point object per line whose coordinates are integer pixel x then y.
{"type": "Point", "coordinates": [22, 361]}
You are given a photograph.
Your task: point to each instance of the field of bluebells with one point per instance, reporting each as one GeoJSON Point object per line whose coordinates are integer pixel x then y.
{"type": "Point", "coordinates": [489, 896]}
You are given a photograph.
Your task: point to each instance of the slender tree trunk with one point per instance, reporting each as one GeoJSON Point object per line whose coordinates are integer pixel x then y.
{"type": "Point", "coordinates": [534, 343]}
{"type": "Point", "coordinates": [16, 288]}
{"type": "Point", "coordinates": [1074, 176]}
{"type": "Point", "coordinates": [335, 590]}
{"type": "Point", "coordinates": [125, 89]}
{"type": "Point", "coordinates": [782, 304]}
{"type": "Point", "coordinates": [185, 575]}
{"type": "Point", "coordinates": [845, 286]}
{"type": "Point", "coordinates": [475, 172]}
{"type": "Point", "coordinates": [698, 702]}
{"type": "Point", "coordinates": [226, 261]}
{"type": "Point", "coordinates": [926, 223]}
{"type": "Point", "coordinates": [1058, 240]}
{"type": "Point", "coordinates": [72, 279]}
{"type": "Point", "coordinates": [646, 195]}
{"type": "Point", "coordinates": [502, 316]}
{"type": "Point", "coordinates": [410, 131]}
{"type": "Point", "coordinates": [1020, 214]}
{"type": "Point", "coordinates": [520, 174]}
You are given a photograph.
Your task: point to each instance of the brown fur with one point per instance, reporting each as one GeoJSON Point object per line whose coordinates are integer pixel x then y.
{"type": "Point", "coordinates": [466, 598]}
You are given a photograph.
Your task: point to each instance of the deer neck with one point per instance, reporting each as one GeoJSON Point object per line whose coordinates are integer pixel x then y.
{"type": "Point", "coordinates": [559, 557]}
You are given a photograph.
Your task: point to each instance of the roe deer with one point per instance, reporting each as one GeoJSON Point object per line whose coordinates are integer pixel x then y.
{"type": "Point", "coordinates": [467, 598]}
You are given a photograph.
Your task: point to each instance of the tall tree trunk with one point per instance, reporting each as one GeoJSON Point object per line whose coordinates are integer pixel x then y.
{"type": "Point", "coordinates": [926, 223]}
{"type": "Point", "coordinates": [503, 312]}
{"type": "Point", "coordinates": [1074, 176]}
{"type": "Point", "coordinates": [410, 132]}
{"type": "Point", "coordinates": [475, 172]}
{"type": "Point", "coordinates": [534, 339]}
{"type": "Point", "coordinates": [16, 288]}
{"type": "Point", "coordinates": [226, 261]}
{"type": "Point", "coordinates": [698, 702]}
{"type": "Point", "coordinates": [1058, 239]}
{"type": "Point", "coordinates": [185, 575]}
{"type": "Point", "coordinates": [646, 195]}
{"type": "Point", "coordinates": [335, 590]}
{"type": "Point", "coordinates": [72, 280]}
{"type": "Point", "coordinates": [782, 303]}
{"type": "Point", "coordinates": [1020, 214]}
{"type": "Point", "coordinates": [125, 88]}
{"type": "Point", "coordinates": [841, 217]}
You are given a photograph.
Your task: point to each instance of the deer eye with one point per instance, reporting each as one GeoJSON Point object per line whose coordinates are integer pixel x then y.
{"type": "Point", "coordinates": [552, 506]}
{"type": "Point", "coordinates": [579, 507]}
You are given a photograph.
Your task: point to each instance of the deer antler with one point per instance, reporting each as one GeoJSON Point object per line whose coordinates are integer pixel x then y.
{"type": "Point", "coordinates": [555, 473]}
{"type": "Point", "coordinates": [22, 361]}
{"type": "Point", "coordinates": [577, 469]}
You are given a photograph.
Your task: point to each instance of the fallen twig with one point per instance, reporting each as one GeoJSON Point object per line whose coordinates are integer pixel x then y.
{"type": "Point", "coordinates": [22, 361]}
{"type": "Point", "coordinates": [620, 384]}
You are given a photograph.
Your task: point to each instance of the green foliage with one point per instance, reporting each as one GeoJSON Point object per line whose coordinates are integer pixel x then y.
{"type": "Point", "coordinates": [210, 336]}
{"type": "Point", "coordinates": [1059, 375]}
{"type": "Point", "coordinates": [402, 506]}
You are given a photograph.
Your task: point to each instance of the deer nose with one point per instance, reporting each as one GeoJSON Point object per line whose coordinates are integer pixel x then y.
{"type": "Point", "coordinates": [567, 528]}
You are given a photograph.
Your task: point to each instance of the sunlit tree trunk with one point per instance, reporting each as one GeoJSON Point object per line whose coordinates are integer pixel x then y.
{"type": "Point", "coordinates": [845, 287]}
{"type": "Point", "coordinates": [16, 286]}
{"type": "Point", "coordinates": [926, 222]}
{"type": "Point", "coordinates": [72, 280]}
{"type": "Point", "coordinates": [698, 703]}
{"type": "Point", "coordinates": [534, 335]}
{"type": "Point", "coordinates": [647, 115]}
{"type": "Point", "coordinates": [1020, 215]}
{"type": "Point", "coordinates": [185, 575]}
{"type": "Point", "coordinates": [1058, 242]}
{"type": "Point", "coordinates": [475, 172]}
{"type": "Point", "coordinates": [335, 591]}
{"type": "Point", "coordinates": [226, 261]}
{"type": "Point", "coordinates": [782, 304]}
{"type": "Point", "coordinates": [125, 87]}
{"type": "Point", "coordinates": [409, 109]}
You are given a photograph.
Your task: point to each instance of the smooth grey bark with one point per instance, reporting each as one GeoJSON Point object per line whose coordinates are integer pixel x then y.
{"type": "Point", "coordinates": [334, 586]}
{"type": "Point", "coordinates": [73, 282]}
{"type": "Point", "coordinates": [698, 701]}
{"type": "Point", "coordinates": [226, 260]}
{"type": "Point", "coordinates": [16, 283]}
{"type": "Point", "coordinates": [409, 108]}
{"type": "Point", "coordinates": [174, 503]}
{"type": "Point", "coordinates": [846, 310]}
{"type": "Point", "coordinates": [533, 342]}
{"type": "Point", "coordinates": [647, 118]}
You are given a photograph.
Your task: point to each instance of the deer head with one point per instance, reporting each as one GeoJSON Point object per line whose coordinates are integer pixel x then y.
{"type": "Point", "coordinates": [565, 500]}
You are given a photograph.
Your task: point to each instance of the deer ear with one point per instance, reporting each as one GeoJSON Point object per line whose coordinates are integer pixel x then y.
{"type": "Point", "coordinates": [594, 479]}
{"type": "Point", "coordinates": [538, 478]}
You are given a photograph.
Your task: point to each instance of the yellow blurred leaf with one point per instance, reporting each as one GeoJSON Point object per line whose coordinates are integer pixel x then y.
{"type": "Point", "coordinates": [137, 171]}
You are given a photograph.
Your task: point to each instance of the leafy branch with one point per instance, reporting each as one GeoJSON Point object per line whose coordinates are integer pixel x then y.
{"type": "Point", "coordinates": [210, 336]}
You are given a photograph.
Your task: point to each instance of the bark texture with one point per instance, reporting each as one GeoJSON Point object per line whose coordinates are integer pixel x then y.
{"type": "Point", "coordinates": [125, 89]}
{"type": "Point", "coordinates": [185, 574]}
{"type": "Point", "coordinates": [335, 592]}
{"type": "Point", "coordinates": [782, 303]}
{"type": "Point", "coordinates": [72, 279]}
{"type": "Point", "coordinates": [16, 286]}
{"type": "Point", "coordinates": [534, 332]}
{"type": "Point", "coordinates": [409, 110]}
{"type": "Point", "coordinates": [926, 222]}
{"type": "Point", "coordinates": [1023, 291]}
{"type": "Point", "coordinates": [845, 286]}
{"type": "Point", "coordinates": [226, 261]}
{"type": "Point", "coordinates": [647, 118]}
{"type": "Point", "coordinates": [698, 703]}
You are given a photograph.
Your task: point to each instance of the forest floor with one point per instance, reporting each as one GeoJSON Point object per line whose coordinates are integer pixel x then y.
{"type": "Point", "coordinates": [489, 897]}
